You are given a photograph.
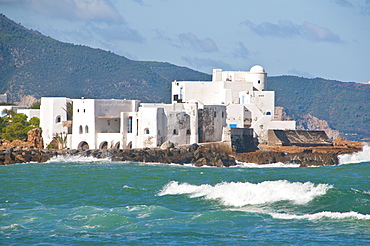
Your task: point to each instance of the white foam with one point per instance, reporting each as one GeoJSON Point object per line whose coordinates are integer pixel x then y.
{"type": "Point", "coordinates": [241, 194]}
{"type": "Point", "coordinates": [358, 157]}
{"type": "Point", "coordinates": [320, 215]}
{"type": "Point", "coordinates": [72, 158]}
{"type": "Point", "coordinates": [272, 165]}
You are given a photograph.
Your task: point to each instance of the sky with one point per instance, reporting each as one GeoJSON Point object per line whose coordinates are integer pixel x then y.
{"type": "Point", "coordinates": [317, 38]}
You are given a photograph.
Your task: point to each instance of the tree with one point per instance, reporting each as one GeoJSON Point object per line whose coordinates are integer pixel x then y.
{"type": "Point", "coordinates": [16, 126]}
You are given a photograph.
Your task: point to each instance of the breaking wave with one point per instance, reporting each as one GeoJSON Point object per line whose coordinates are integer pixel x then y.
{"type": "Point", "coordinates": [73, 158]}
{"type": "Point", "coordinates": [362, 156]}
{"type": "Point", "coordinates": [322, 215]}
{"type": "Point", "coordinates": [272, 165]}
{"type": "Point", "coordinates": [241, 194]}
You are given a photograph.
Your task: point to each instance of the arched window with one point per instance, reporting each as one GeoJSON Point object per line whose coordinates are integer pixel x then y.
{"type": "Point", "coordinates": [81, 130]}
{"type": "Point", "coordinates": [188, 132]}
{"type": "Point", "coordinates": [175, 132]}
{"type": "Point", "coordinates": [259, 81]}
{"type": "Point", "coordinates": [86, 129]}
{"type": "Point", "coordinates": [58, 119]}
{"type": "Point", "coordinates": [268, 113]}
{"type": "Point", "coordinates": [146, 131]}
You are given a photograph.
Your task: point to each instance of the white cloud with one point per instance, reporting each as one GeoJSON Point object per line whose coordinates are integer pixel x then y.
{"type": "Point", "coordinates": [192, 41]}
{"type": "Point", "coordinates": [85, 10]}
{"type": "Point", "coordinates": [241, 51]}
{"type": "Point", "coordinates": [201, 63]}
{"type": "Point", "coordinates": [287, 29]}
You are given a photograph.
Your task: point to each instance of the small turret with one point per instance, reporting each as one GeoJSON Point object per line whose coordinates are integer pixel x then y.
{"type": "Point", "coordinates": [258, 76]}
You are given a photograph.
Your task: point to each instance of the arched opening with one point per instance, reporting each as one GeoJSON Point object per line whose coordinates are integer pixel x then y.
{"type": "Point", "coordinates": [103, 145]}
{"type": "Point", "coordinates": [188, 132]}
{"type": "Point", "coordinates": [129, 146]}
{"type": "Point", "coordinates": [86, 129]}
{"type": "Point", "coordinates": [83, 145]}
{"type": "Point", "coordinates": [80, 130]}
{"type": "Point", "coordinates": [58, 119]}
{"type": "Point", "coordinates": [146, 131]}
{"type": "Point", "coordinates": [175, 132]}
{"type": "Point", "coordinates": [117, 145]}
{"type": "Point", "coordinates": [268, 113]}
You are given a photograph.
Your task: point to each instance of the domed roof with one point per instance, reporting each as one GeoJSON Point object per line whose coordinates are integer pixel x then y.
{"type": "Point", "coordinates": [257, 69]}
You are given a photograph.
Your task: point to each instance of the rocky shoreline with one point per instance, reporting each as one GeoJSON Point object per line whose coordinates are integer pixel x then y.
{"type": "Point", "coordinates": [195, 154]}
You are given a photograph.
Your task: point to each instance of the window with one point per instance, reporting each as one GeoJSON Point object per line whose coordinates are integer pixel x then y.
{"type": "Point", "coordinates": [259, 81]}
{"type": "Point", "coordinates": [146, 131]}
{"type": "Point", "coordinates": [268, 113]}
{"type": "Point", "coordinates": [130, 124]}
{"type": "Point", "coordinates": [214, 114]}
{"type": "Point", "coordinates": [223, 114]}
{"type": "Point", "coordinates": [58, 119]}
{"type": "Point", "coordinates": [81, 130]}
{"type": "Point", "coordinates": [78, 110]}
{"type": "Point", "coordinates": [188, 132]}
{"type": "Point", "coordinates": [86, 129]}
{"type": "Point", "coordinates": [175, 132]}
{"type": "Point", "coordinates": [84, 110]}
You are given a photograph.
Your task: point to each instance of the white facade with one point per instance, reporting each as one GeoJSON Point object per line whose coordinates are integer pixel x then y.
{"type": "Point", "coordinates": [242, 92]}
{"type": "Point", "coordinates": [123, 124]}
{"type": "Point", "coordinates": [52, 115]}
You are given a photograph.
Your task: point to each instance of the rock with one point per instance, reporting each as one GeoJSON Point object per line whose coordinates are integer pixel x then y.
{"type": "Point", "coordinates": [167, 145]}
{"type": "Point", "coordinates": [34, 138]}
{"type": "Point", "coordinates": [193, 147]}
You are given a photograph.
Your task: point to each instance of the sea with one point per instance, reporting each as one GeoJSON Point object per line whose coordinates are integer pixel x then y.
{"type": "Point", "coordinates": [86, 201]}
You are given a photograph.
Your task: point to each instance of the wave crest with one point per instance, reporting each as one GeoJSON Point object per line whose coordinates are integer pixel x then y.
{"type": "Point", "coordinates": [362, 156]}
{"type": "Point", "coordinates": [321, 215]}
{"type": "Point", "coordinates": [240, 194]}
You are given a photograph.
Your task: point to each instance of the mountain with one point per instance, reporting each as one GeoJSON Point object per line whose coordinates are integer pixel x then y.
{"type": "Point", "coordinates": [345, 106]}
{"type": "Point", "coordinates": [33, 64]}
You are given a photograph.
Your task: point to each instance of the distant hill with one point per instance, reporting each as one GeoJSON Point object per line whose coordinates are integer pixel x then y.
{"type": "Point", "coordinates": [345, 106]}
{"type": "Point", "coordinates": [33, 64]}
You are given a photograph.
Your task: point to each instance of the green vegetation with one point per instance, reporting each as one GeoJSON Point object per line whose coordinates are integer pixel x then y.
{"type": "Point", "coordinates": [15, 126]}
{"type": "Point", "coordinates": [32, 64]}
{"type": "Point", "coordinates": [36, 105]}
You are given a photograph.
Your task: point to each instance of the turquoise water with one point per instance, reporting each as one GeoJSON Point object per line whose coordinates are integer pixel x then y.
{"type": "Point", "coordinates": [99, 202]}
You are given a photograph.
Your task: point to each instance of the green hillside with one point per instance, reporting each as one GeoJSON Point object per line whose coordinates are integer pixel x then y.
{"type": "Point", "coordinates": [344, 105]}
{"type": "Point", "coordinates": [32, 64]}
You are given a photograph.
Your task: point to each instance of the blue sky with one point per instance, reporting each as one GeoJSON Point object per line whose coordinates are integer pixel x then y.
{"type": "Point", "coordinates": [315, 38]}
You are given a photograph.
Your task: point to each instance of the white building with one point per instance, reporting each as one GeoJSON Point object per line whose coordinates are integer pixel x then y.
{"type": "Point", "coordinates": [198, 113]}
{"type": "Point", "coordinates": [124, 124]}
{"type": "Point", "coordinates": [242, 92]}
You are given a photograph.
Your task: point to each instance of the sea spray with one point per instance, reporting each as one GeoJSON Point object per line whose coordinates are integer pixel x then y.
{"type": "Point", "coordinates": [358, 157]}
{"type": "Point", "coordinates": [240, 194]}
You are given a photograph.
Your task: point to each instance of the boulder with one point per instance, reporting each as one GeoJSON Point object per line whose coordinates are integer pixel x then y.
{"type": "Point", "coordinates": [167, 145]}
